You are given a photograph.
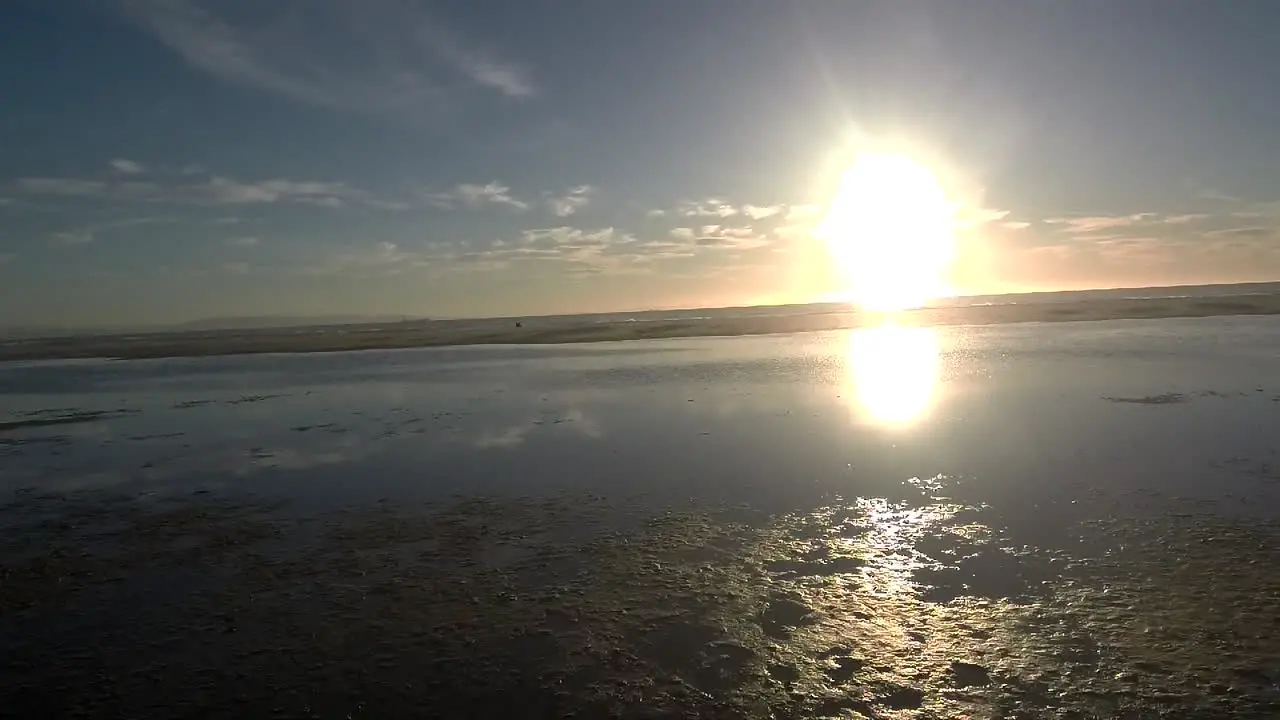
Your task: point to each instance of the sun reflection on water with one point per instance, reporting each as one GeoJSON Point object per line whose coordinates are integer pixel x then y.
{"type": "Point", "coordinates": [892, 374]}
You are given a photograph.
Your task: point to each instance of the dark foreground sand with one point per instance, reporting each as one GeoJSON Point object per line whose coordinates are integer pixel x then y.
{"type": "Point", "coordinates": [578, 607]}
{"type": "Point", "coordinates": [441, 333]}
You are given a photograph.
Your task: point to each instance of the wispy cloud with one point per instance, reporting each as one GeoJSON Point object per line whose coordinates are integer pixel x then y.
{"type": "Point", "coordinates": [246, 241]}
{"type": "Point", "coordinates": [1217, 195]}
{"type": "Point", "coordinates": [1095, 223]}
{"type": "Point", "coordinates": [474, 196]}
{"type": "Point", "coordinates": [225, 191]}
{"type": "Point", "coordinates": [1148, 249]}
{"type": "Point", "coordinates": [1101, 227]}
{"type": "Point", "coordinates": [722, 208]}
{"type": "Point", "coordinates": [382, 204]}
{"type": "Point", "coordinates": [214, 190]}
{"type": "Point", "coordinates": [64, 187]}
{"type": "Point", "coordinates": [127, 167]}
{"type": "Point", "coordinates": [72, 237]}
{"type": "Point", "coordinates": [662, 249]}
{"type": "Point", "coordinates": [579, 251]}
{"type": "Point", "coordinates": [759, 212]}
{"type": "Point", "coordinates": [1139, 249]}
{"type": "Point", "coordinates": [711, 207]}
{"type": "Point", "coordinates": [722, 237]}
{"type": "Point", "coordinates": [570, 238]}
{"type": "Point", "coordinates": [968, 216]}
{"type": "Point", "coordinates": [735, 238]}
{"type": "Point", "coordinates": [1252, 231]}
{"type": "Point", "coordinates": [572, 201]}
{"type": "Point", "coordinates": [374, 56]}
{"type": "Point", "coordinates": [717, 207]}
{"type": "Point", "coordinates": [86, 234]}
{"type": "Point", "coordinates": [1185, 218]}
{"type": "Point", "coordinates": [381, 258]}
{"type": "Point", "coordinates": [479, 66]}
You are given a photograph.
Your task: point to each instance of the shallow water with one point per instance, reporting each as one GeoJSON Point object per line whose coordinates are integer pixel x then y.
{"type": "Point", "coordinates": [893, 522]}
{"type": "Point", "coordinates": [1029, 413]}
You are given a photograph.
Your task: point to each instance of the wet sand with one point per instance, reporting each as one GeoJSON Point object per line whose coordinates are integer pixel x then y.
{"type": "Point", "coordinates": [574, 607]}
{"type": "Point", "coordinates": [467, 332]}
{"type": "Point", "coordinates": [1080, 521]}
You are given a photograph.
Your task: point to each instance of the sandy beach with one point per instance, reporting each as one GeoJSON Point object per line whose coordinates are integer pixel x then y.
{"type": "Point", "coordinates": [535, 331]}
{"type": "Point", "coordinates": [1020, 520]}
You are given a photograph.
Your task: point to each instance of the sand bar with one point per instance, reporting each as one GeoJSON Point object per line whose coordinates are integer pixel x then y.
{"type": "Point", "coordinates": [531, 331]}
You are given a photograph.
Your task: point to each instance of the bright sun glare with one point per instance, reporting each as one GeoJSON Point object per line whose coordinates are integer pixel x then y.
{"type": "Point", "coordinates": [892, 373]}
{"type": "Point", "coordinates": [889, 229]}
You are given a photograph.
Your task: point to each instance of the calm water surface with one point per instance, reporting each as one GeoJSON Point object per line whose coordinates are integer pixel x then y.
{"type": "Point", "coordinates": [1038, 414]}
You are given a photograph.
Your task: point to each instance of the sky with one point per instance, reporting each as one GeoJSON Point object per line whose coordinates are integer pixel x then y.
{"type": "Point", "coordinates": [170, 160]}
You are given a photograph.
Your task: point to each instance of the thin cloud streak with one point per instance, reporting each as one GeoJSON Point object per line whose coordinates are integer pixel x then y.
{"type": "Point", "coordinates": [1095, 223]}
{"type": "Point", "coordinates": [88, 233]}
{"type": "Point", "coordinates": [64, 187]}
{"type": "Point", "coordinates": [127, 167]}
{"type": "Point", "coordinates": [475, 196]}
{"type": "Point", "coordinates": [483, 69]}
{"type": "Point", "coordinates": [377, 56]}
{"type": "Point", "coordinates": [215, 190]}
{"type": "Point", "coordinates": [1253, 231]}
{"type": "Point", "coordinates": [381, 258]}
{"type": "Point", "coordinates": [571, 202]}
{"type": "Point", "coordinates": [1185, 218]}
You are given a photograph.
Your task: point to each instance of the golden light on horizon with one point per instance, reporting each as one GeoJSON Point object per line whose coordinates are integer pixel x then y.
{"type": "Point", "coordinates": [892, 373]}
{"type": "Point", "coordinates": [889, 229]}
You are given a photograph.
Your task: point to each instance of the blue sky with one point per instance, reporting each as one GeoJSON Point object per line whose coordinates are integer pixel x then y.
{"type": "Point", "coordinates": [167, 160]}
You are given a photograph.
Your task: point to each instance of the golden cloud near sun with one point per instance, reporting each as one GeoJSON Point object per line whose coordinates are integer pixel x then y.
{"type": "Point", "coordinates": [890, 230]}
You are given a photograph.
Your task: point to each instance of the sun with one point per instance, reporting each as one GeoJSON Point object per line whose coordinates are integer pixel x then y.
{"type": "Point", "coordinates": [889, 230]}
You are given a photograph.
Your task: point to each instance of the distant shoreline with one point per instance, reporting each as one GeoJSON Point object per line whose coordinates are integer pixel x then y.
{"type": "Point", "coordinates": [535, 332]}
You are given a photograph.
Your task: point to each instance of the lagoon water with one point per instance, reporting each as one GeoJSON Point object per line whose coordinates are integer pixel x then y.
{"type": "Point", "coordinates": [1015, 410]}
{"type": "Point", "coordinates": [1007, 474]}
